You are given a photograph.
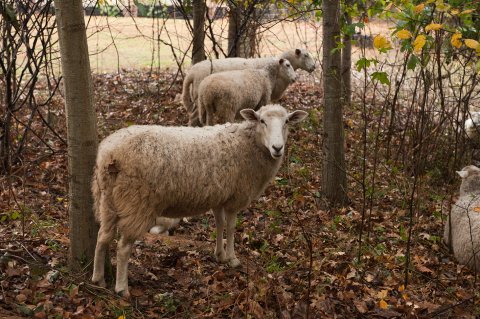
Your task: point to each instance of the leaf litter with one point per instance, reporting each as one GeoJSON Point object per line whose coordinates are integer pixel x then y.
{"type": "Point", "coordinates": [281, 275]}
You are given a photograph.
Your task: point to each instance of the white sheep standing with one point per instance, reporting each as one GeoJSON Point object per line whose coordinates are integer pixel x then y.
{"type": "Point", "coordinates": [143, 172]}
{"type": "Point", "coordinates": [222, 95]}
{"type": "Point", "coordinates": [464, 220]}
{"type": "Point", "coordinates": [298, 58]}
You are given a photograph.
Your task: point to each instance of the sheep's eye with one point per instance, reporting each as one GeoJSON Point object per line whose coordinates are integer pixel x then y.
{"type": "Point", "coordinates": [263, 122]}
{"type": "Point", "coordinates": [286, 121]}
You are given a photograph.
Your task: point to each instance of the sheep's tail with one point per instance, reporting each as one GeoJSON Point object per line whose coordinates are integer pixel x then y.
{"type": "Point", "coordinates": [186, 94]}
{"type": "Point", "coordinates": [96, 194]}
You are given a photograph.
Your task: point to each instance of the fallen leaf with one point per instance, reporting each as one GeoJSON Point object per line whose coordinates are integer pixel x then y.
{"type": "Point", "coordinates": [360, 305]}
{"type": "Point", "coordinates": [383, 304]}
{"type": "Point", "coordinates": [382, 294]}
{"type": "Point", "coordinates": [21, 298]}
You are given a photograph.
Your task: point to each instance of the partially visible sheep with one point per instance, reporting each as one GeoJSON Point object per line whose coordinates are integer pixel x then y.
{"type": "Point", "coordinates": [298, 58]}
{"type": "Point", "coordinates": [462, 230]}
{"type": "Point", "coordinates": [472, 126]}
{"type": "Point", "coordinates": [222, 95]}
{"type": "Point", "coordinates": [145, 172]}
{"type": "Point", "coordinates": [163, 225]}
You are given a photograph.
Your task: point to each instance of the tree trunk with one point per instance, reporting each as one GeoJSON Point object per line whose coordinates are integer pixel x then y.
{"type": "Point", "coordinates": [233, 25]}
{"type": "Point", "coordinates": [334, 176]}
{"type": "Point", "coordinates": [241, 29]}
{"type": "Point", "coordinates": [347, 64]}
{"type": "Point", "coordinates": [81, 129]}
{"type": "Point", "coordinates": [198, 51]}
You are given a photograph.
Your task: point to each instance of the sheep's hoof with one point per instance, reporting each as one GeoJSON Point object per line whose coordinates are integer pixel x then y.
{"type": "Point", "coordinates": [221, 257]}
{"type": "Point", "coordinates": [234, 262]}
{"type": "Point", "coordinates": [100, 283]}
{"type": "Point", "coordinates": [125, 294]}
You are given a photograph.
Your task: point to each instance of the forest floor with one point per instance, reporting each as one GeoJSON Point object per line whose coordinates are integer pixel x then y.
{"type": "Point", "coordinates": [299, 259]}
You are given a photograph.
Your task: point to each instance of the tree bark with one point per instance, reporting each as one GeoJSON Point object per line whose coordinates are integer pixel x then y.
{"type": "Point", "coordinates": [334, 176]}
{"type": "Point", "coordinates": [347, 64]}
{"type": "Point", "coordinates": [198, 51]}
{"type": "Point", "coordinates": [233, 25]}
{"type": "Point", "coordinates": [81, 129]}
{"type": "Point", "coordinates": [241, 29]}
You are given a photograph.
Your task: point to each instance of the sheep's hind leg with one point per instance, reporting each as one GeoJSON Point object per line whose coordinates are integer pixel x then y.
{"type": "Point", "coordinates": [105, 236]}
{"type": "Point", "coordinates": [232, 259]}
{"type": "Point", "coordinates": [124, 249]}
{"type": "Point", "coordinates": [220, 224]}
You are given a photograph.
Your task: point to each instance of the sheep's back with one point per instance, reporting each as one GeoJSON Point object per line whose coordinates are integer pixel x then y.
{"type": "Point", "coordinates": [182, 171]}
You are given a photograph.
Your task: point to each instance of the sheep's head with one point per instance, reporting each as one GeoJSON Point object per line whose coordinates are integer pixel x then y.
{"type": "Point", "coordinates": [302, 60]}
{"type": "Point", "coordinates": [286, 71]}
{"type": "Point", "coordinates": [272, 126]}
{"type": "Point", "coordinates": [470, 180]}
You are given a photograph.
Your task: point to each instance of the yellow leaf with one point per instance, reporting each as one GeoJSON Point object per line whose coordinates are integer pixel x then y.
{"type": "Point", "coordinates": [472, 44]}
{"type": "Point", "coordinates": [380, 42]}
{"type": "Point", "coordinates": [401, 288]}
{"type": "Point", "coordinates": [419, 8]}
{"type": "Point", "coordinates": [121, 317]}
{"type": "Point", "coordinates": [442, 7]}
{"type": "Point", "coordinates": [476, 209]}
{"type": "Point", "coordinates": [455, 40]}
{"type": "Point", "coordinates": [388, 7]}
{"type": "Point", "coordinates": [405, 297]}
{"type": "Point", "coordinates": [404, 34]}
{"type": "Point", "coordinates": [383, 304]}
{"type": "Point", "coordinates": [454, 12]}
{"type": "Point", "coordinates": [467, 11]}
{"type": "Point", "coordinates": [419, 42]}
{"type": "Point", "coordinates": [433, 26]}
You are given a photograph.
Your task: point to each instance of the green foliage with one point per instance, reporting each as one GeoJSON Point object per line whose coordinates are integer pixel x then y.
{"type": "Point", "coordinates": [10, 215]}
{"type": "Point", "coordinates": [382, 77]}
{"type": "Point", "coordinates": [274, 265]}
{"type": "Point", "coordinates": [108, 10]}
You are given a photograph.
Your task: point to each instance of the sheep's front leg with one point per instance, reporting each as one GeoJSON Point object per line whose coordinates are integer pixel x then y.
{"type": "Point", "coordinates": [124, 249]}
{"type": "Point", "coordinates": [232, 259]}
{"type": "Point", "coordinates": [220, 224]}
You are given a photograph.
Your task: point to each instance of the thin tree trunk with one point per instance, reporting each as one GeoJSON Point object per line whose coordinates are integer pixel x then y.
{"type": "Point", "coordinates": [334, 176]}
{"type": "Point", "coordinates": [81, 129]}
{"type": "Point", "coordinates": [347, 64]}
{"type": "Point", "coordinates": [233, 25]}
{"type": "Point", "coordinates": [198, 51]}
{"type": "Point", "coordinates": [241, 29]}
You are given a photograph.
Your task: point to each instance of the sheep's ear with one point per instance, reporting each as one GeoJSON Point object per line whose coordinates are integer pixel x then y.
{"type": "Point", "coordinates": [297, 116]}
{"type": "Point", "coordinates": [298, 51]}
{"type": "Point", "coordinates": [462, 174]}
{"type": "Point", "coordinates": [281, 61]}
{"type": "Point", "coordinates": [249, 115]}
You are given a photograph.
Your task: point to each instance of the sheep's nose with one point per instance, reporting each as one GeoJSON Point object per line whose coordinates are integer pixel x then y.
{"type": "Point", "coordinates": [277, 148]}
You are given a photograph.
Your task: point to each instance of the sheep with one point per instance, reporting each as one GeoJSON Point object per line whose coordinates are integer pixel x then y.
{"type": "Point", "coordinates": [162, 225]}
{"type": "Point", "coordinates": [464, 220]}
{"type": "Point", "coordinates": [226, 93]}
{"type": "Point", "coordinates": [472, 126]}
{"type": "Point", "coordinates": [144, 172]}
{"type": "Point", "coordinates": [299, 59]}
